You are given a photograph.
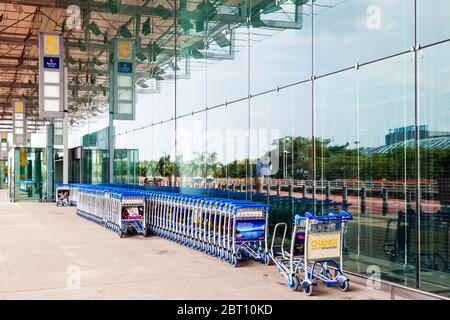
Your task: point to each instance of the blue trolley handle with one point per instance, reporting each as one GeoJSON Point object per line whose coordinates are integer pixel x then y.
{"type": "Point", "coordinates": [344, 216]}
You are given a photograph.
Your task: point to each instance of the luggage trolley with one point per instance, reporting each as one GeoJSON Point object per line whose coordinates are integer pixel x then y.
{"type": "Point", "coordinates": [250, 231]}
{"type": "Point", "coordinates": [63, 195]}
{"type": "Point", "coordinates": [316, 242]}
{"type": "Point", "coordinates": [127, 213]}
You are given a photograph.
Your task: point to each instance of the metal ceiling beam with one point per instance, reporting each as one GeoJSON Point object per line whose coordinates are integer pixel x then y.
{"type": "Point", "coordinates": [127, 9]}
{"type": "Point", "coordinates": [29, 99]}
{"type": "Point", "coordinates": [22, 85]}
{"type": "Point", "coordinates": [6, 66]}
{"type": "Point", "coordinates": [21, 67]}
{"type": "Point", "coordinates": [41, 3]}
{"type": "Point", "coordinates": [18, 57]}
{"type": "Point", "coordinates": [19, 40]}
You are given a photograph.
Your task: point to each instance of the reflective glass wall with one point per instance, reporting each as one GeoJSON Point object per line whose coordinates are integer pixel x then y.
{"type": "Point", "coordinates": [306, 105]}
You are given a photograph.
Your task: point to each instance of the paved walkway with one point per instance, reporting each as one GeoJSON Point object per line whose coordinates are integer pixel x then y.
{"type": "Point", "coordinates": [42, 249]}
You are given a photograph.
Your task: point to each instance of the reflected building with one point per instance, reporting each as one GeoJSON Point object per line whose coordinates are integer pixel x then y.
{"type": "Point", "coordinates": [405, 138]}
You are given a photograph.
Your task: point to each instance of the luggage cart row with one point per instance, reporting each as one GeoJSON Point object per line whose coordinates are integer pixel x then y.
{"type": "Point", "coordinates": [231, 230]}
{"type": "Point", "coordinates": [228, 229]}
{"type": "Point", "coordinates": [120, 210]}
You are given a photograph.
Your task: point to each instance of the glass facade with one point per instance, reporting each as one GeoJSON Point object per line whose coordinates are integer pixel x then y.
{"type": "Point", "coordinates": [27, 175]}
{"type": "Point", "coordinates": [309, 106]}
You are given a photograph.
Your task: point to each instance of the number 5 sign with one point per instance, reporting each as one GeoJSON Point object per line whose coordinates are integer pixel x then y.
{"type": "Point", "coordinates": [124, 50]}
{"type": "Point", "coordinates": [51, 44]}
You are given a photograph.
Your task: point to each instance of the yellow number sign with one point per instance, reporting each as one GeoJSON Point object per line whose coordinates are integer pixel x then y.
{"type": "Point", "coordinates": [18, 106]}
{"type": "Point", "coordinates": [124, 48]}
{"type": "Point", "coordinates": [51, 44]}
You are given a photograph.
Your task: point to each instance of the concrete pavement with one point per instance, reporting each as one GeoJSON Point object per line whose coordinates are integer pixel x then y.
{"type": "Point", "coordinates": [50, 253]}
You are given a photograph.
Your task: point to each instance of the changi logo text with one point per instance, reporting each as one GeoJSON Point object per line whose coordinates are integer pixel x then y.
{"type": "Point", "coordinates": [324, 243]}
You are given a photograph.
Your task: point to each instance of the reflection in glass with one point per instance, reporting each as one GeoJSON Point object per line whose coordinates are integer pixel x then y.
{"type": "Point", "coordinates": [362, 167]}
{"type": "Point", "coordinates": [347, 32]}
{"type": "Point", "coordinates": [434, 148]}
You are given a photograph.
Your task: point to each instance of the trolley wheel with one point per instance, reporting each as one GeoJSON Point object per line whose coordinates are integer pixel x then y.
{"type": "Point", "coordinates": [308, 290]}
{"type": "Point", "coordinates": [266, 260]}
{"type": "Point", "coordinates": [293, 283]}
{"type": "Point", "coordinates": [234, 261]}
{"type": "Point", "coordinates": [344, 286]}
{"type": "Point", "coordinates": [120, 234]}
{"type": "Point", "coordinates": [145, 233]}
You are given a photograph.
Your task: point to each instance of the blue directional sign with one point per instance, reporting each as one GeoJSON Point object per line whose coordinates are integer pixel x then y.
{"type": "Point", "coordinates": [51, 63]}
{"type": "Point", "coordinates": [125, 67]}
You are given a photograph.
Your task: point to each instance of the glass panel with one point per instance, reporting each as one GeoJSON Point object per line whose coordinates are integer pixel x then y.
{"type": "Point", "coordinates": [347, 32]}
{"type": "Point", "coordinates": [193, 44]}
{"type": "Point", "coordinates": [191, 150]}
{"type": "Point", "coordinates": [146, 166]}
{"type": "Point", "coordinates": [280, 38]}
{"type": "Point", "coordinates": [434, 144]}
{"type": "Point", "coordinates": [227, 144]}
{"type": "Point", "coordinates": [163, 142]}
{"type": "Point", "coordinates": [280, 150]}
{"type": "Point", "coordinates": [95, 158]}
{"type": "Point", "coordinates": [228, 68]}
{"type": "Point", "coordinates": [360, 168]}
{"type": "Point", "coordinates": [432, 21]}
{"type": "Point", "coordinates": [28, 174]}
{"type": "Point", "coordinates": [126, 158]}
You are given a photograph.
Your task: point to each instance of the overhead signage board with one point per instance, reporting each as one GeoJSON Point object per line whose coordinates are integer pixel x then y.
{"type": "Point", "coordinates": [51, 76]}
{"type": "Point", "coordinates": [123, 80]}
{"type": "Point", "coordinates": [3, 145]}
{"type": "Point", "coordinates": [19, 123]}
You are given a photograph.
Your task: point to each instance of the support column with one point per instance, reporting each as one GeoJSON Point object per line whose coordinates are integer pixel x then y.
{"type": "Point", "coordinates": [111, 148]}
{"type": "Point", "coordinates": [111, 125]}
{"type": "Point", "coordinates": [65, 133]}
{"type": "Point", "coordinates": [50, 130]}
